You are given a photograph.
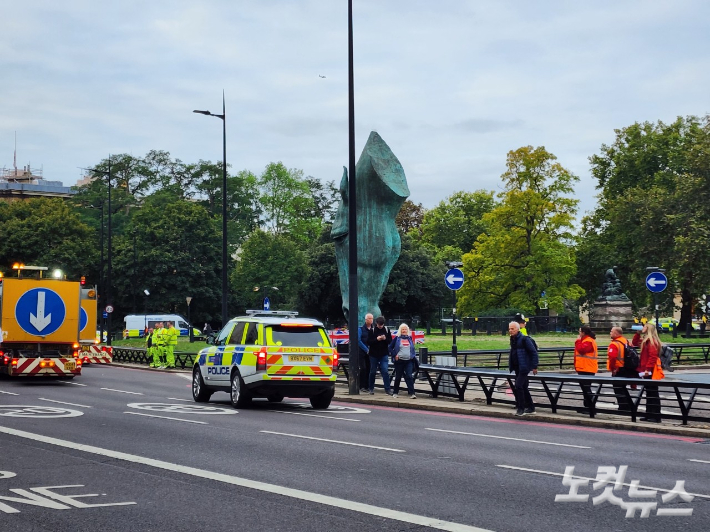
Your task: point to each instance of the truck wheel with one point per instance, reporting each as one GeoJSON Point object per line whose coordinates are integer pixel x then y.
{"type": "Point", "coordinates": [322, 400]}
{"type": "Point", "coordinates": [238, 395]}
{"type": "Point", "coordinates": [199, 392]}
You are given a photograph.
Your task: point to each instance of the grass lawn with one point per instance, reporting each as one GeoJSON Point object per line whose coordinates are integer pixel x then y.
{"type": "Point", "coordinates": [439, 342]}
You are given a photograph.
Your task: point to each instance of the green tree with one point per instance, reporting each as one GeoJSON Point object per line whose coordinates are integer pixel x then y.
{"type": "Point", "coordinates": [653, 211]}
{"type": "Point", "coordinates": [526, 250]}
{"type": "Point", "coordinates": [46, 232]}
{"type": "Point", "coordinates": [457, 221]}
{"type": "Point", "coordinates": [267, 260]}
{"type": "Point", "coordinates": [410, 217]}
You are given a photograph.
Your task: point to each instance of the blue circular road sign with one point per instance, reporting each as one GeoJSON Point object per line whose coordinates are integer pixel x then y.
{"type": "Point", "coordinates": [83, 319]}
{"type": "Point", "coordinates": [40, 311]}
{"type": "Point", "coordinates": [454, 279]}
{"type": "Point", "coordinates": [267, 303]}
{"type": "Point", "coordinates": [656, 281]}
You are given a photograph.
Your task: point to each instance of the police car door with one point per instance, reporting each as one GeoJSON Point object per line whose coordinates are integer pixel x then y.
{"type": "Point", "coordinates": [217, 371]}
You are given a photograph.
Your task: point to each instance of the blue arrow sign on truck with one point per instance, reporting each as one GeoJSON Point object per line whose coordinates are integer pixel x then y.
{"type": "Point", "coordinates": [454, 279]}
{"type": "Point", "coordinates": [656, 281]}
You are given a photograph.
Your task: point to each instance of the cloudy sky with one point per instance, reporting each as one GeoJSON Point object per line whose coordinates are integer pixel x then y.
{"type": "Point", "coordinates": [451, 85]}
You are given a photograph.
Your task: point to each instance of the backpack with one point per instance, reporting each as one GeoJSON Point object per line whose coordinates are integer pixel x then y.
{"type": "Point", "coordinates": [631, 357]}
{"type": "Point", "coordinates": [534, 343]}
{"type": "Point", "coordinates": [667, 357]}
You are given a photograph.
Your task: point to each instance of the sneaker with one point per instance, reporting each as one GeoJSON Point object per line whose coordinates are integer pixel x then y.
{"type": "Point", "coordinates": [372, 392]}
{"type": "Point", "coordinates": [529, 411]}
{"type": "Point", "coordinates": [364, 390]}
{"type": "Point", "coordinates": [519, 412]}
{"type": "Point", "coordinates": [412, 396]}
{"type": "Point", "coordinates": [394, 395]}
{"type": "Point", "coordinates": [389, 392]}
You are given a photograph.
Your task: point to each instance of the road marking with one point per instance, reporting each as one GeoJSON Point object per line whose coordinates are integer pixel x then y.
{"type": "Point", "coordinates": [165, 417]}
{"type": "Point", "coordinates": [316, 498]}
{"type": "Point", "coordinates": [699, 461]}
{"type": "Point", "coordinates": [74, 383]}
{"type": "Point", "coordinates": [312, 415]}
{"type": "Point", "coordinates": [182, 409]}
{"type": "Point", "coordinates": [506, 438]}
{"type": "Point", "coordinates": [334, 441]}
{"type": "Point", "coordinates": [9, 393]}
{"type": "Point", "coordinates": [41, 412]}
{"type": "Point", "coordinates": [188, 377]}
{"type": "Point", "coordinates": [62, 403]}
{"type": "Point", "coordinates": [177, 399]}
{"type": "Point", "coordinates": [554, 474]}
{"type": "Point", "coordinates": [121, 391]}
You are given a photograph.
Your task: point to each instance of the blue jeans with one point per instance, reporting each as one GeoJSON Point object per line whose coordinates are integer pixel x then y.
{"type": "Point", "coordinates": [383, 365]}
{"type": "Point", "coordinates": [403, 366]}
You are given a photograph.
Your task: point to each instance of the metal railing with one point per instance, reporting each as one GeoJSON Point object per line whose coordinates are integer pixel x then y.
{"type": "Point", "coordinates": [138, 355]}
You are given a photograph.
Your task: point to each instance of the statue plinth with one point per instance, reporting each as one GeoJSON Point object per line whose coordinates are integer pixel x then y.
{"type": "Point", "coordinates": [608, 313]}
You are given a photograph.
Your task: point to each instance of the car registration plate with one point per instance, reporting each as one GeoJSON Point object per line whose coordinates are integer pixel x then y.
{"type": "Point", "coordinates": [70, 365]}
{"type": "Point", "coordinates": [300, 358]}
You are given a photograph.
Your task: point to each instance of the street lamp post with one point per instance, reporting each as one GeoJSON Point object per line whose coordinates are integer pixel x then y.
{"type": "Point", "coordinates": [223, 117]}
{"type": "Point", "coordinates": [190, 333]}
{"type": "Point", "coordinates": [145, 309]}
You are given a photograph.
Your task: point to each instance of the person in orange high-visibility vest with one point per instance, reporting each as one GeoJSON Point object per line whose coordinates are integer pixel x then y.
{"type": "Point", "coordinates": [615, 364]}
{"type": "Point", "coordinates": [650, 368]}
{"type": "Point", "coordinates": [586, 357]}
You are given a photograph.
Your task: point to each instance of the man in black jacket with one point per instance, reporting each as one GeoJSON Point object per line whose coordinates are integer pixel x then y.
{"type": "Point", "coordinates": [522, 360]}
{"type": "Point", "coordinates": [379, 339]}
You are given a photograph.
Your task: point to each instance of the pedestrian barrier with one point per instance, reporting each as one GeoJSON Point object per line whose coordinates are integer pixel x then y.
{"type": "Point", "coordinates": [137, 355]}
{"type": "Point", "coordinates": [684, 400]}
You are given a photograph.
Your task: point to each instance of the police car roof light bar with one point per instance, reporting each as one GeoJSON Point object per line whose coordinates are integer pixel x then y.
{"type": "Point", "coordinates": [267, 313]}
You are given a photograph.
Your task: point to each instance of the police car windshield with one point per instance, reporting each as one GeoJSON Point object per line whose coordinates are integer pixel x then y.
{"type": "Point", "coordinates": [296, 336]}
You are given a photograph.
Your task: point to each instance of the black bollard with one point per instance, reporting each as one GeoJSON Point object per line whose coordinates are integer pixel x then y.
{"type": "Point", "coordinates": [688, 330]}
{"type": "Point", "coordinates": [473, 327]}
{"type": "Point", "coordinates": [674, 330]}
{"type": "Point", "coordinates": [489, 330]}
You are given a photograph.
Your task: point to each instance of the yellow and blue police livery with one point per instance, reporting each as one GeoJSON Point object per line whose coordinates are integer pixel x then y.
{"type": "Point", "coordinates": [269, 354]}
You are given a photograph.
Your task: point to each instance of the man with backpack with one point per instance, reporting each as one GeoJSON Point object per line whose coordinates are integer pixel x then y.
{"type": "Point", "coordinates": [622, 360]}
{"type": "Point", "coordinates": [522, 360]}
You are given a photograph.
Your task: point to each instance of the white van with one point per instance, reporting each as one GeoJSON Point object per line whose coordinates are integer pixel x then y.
{"type": "Point", "coordinates": [136, 324]}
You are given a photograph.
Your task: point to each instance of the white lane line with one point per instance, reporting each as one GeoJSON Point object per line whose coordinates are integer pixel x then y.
{"type": "Point", "coordinates": [188, 377]}
{"type": "Point", "coordinates": [312, 415]}
{"type": "Point", "coordinates": [166, 417]}
{"type": "Point", "coordinates": [121, 391]}
{"type": "Point", "coordinates": [63, 403]}
{"type": "Point", "coordinates": [506, 438]}
{"type": "Point", "coordinates": [554, 474]}
{"type": "Point", "coordinates": [74, 383]}
{"type": "Point", "coordinates": [9, 393]}
{"type": "Point", "coordinates": [316, 498]}
{"type": "Point", "coordinates": [178, 399]}
{"type": "Point", "coordinates": [333, 441]}
{"type": "Point", "coordinates": [699, 461]}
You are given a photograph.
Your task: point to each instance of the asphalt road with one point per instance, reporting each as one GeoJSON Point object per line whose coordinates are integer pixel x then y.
{"type": "Point", "coordinates": [125, 449]}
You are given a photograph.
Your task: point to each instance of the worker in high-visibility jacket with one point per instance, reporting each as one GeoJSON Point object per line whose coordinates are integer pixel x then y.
{"type": "Point", "coordinates": [650, 368]}
{"type": "Point", "coordinates": [586, 360]}
{"type": "Point", "coordinates": [171, 337]}
{"type": "Point", "coordinates": [159, 338]}
{"type": "Point", "coordinates": [615, 364]}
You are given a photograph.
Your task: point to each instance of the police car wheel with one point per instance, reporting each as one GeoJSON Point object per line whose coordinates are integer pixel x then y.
{"type": "Point", "coordinates": [199, 392]}
{"type": "Point", "coordinates": [322, 400]}
{"type": "Point", "coordinates": [237, 392]}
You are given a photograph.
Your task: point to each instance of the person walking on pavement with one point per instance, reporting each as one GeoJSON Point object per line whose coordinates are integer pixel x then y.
{"type": "Point", "coordinates": [586, 361]}
{"type": "Point", "coordinates": [650, 368]}
{"type": "Point", "coordinates": [378, 341]}
{"type": "Point", "coordinates": [363, 335]}
{"type": "Point", "coordinates": [402, 350]}
{"type": "Point", "coordinates": [170, 342]}
{"type": "Point", "coordinates": [615, 364]}
{"type": "Point", "coordinates": [522, 360]}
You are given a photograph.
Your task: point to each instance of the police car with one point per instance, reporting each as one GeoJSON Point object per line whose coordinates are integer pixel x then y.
{"type": "Point", "coordinates": [270, 354]}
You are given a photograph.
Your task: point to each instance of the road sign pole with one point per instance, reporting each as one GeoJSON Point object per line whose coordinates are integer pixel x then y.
{"type": "Point", "coordinates": [454, 350]}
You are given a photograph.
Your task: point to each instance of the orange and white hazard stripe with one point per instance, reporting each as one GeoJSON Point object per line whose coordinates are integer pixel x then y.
{"type": "Point", "coordinates": [96, 354]}
{"type": "Point", "coordinates": [44, 367]}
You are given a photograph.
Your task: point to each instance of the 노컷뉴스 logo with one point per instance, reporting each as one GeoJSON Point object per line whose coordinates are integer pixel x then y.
{"type": "Point", "coordinates": [643, 498]}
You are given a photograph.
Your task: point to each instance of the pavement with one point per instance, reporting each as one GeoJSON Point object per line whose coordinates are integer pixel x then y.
{"type": "Point", "coordinates": [475, 405]}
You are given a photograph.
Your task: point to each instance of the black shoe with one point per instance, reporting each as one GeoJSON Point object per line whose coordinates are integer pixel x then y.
{"type": "Point", "coordinates": [583, 411]}
{"type": "Point", "coordinates": [650, 419]}
{"type": "Point", "coordinates": [520, 412]}
{"type": "Point", "coordinates": [529, 411]}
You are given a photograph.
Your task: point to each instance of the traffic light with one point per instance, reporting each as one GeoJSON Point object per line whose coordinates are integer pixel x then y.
{"type": "Point", "coordinates": [82, 280]}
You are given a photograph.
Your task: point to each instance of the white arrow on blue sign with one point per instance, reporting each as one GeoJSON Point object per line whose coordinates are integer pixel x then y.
{"type": "Point", "coordinates": [656, 281]}
{"type": "Point", "coordinates": [454, 279]}
{"type": "Point", "coordinates": [267, 303]}
{"type": "Point", "coordinates": [40, 311]}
